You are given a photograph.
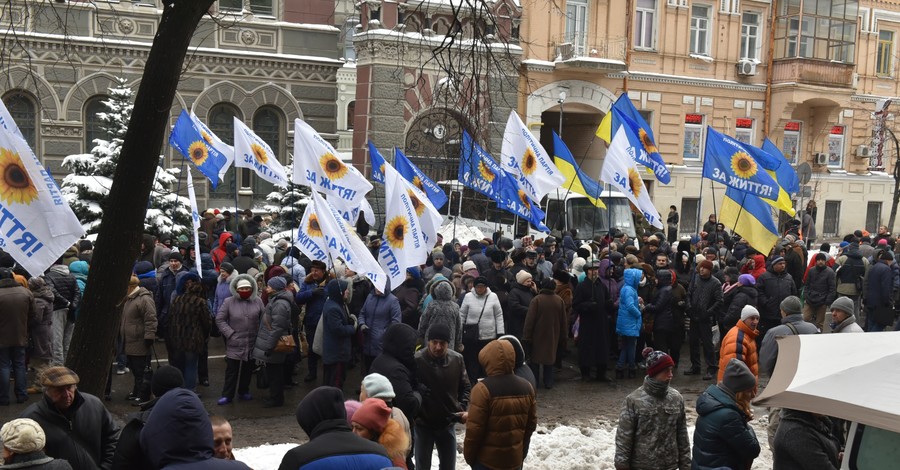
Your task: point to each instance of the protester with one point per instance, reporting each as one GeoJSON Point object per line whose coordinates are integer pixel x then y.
{"type": "Point", "coordinates": [705, 299]}
{"type": "Point", "coordinates": [372, 421]}
{"type": "Point", "coordinates": [238, 320]}
{"type": "Point", "coordinates": [379, 311]}
{"type": "Point", "coordinates": [189, 325]}
{"type": "Point", "coordinates": [819, 291]}
{"type": "Point", "coordinates": [773, 286]}
{"type": "Point", "coordinates": [842, 318]}
{"type": "Point", "coordinates": [312, 296]}
{"type": "Point", "coordinates": [398, 364]}
{"type": "Point", "coordinates": [592, 304]}
{"type": "Point", "coordinates": [740, 343]}
{"type": "Point", "coordinates": [442, 310]}
{"type": "Point", "coordinates": [378, 386]}
{"type": "Point", "coordinates": [804, 441]}
{"type": "Point", "coordinates": [23, 447]}
{"type": "Point", "coordinates": [545, 331]}
{"type": "Point", "coordinates": [17, 307]}
{"type": "Point", "coordinates": [138, 332]}
{"type": "Point", "coordinates": [276, 323]}
{"type": "Point", "coordinates": [879, 290]}
{"type": "Point", "coordinates": [40, 328]}
{"type": "Point", "coordinates": [66, 300]}
{"type": "Point", "coordinates": [482, 314]}
{"type": "Point", "coordinates": [223, 437]}
{"type": "Point", "coordinates": [338, 327]}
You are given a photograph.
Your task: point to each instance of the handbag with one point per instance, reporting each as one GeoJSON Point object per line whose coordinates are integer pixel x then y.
{"type": "Point", "coordinates": [319, 338]}
{"type": "Point", "coordinates": [471, 333]}
{"type": "Point", "coordinates": [285, 343]}
{"type": "Point", "coordinates": [144, 391]}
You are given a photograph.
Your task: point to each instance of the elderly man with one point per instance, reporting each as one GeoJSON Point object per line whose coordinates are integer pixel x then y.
{"type": "Point", "coordinates": [222, 437]}
{"type": "Point", "coordinates": [79, 429]}
{"type": "Point", "coordinates": [437, 267]}
{"type": "Point", "coordinates": [843, 319]}
{"type": "Point", "coordinates": [23, 447]}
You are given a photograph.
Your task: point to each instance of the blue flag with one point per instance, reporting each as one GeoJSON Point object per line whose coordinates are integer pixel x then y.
{"type": "Point", "coordinates": [785, 174]}
{"type": "Point", "coordinates": [419, 179]}
{"type": "Point", "coordinates": [734, 164]}
{"type": "Point", "coordinates": [198, 147]}
{"type": "Point", "coordinates": [478, 170]}
{"type": "Point", "coordinates": [629, 116]}
{"type": "Point", "coordinates": [515, 200]}
{"type": "Point", "coordinates": [377, 163]}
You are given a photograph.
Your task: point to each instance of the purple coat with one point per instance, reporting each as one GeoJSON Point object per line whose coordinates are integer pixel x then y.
{"type": "Point", "coordinates": [238, 320]}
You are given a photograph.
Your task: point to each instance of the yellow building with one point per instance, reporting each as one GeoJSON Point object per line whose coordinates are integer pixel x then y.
{"type": "Point", "coordinates": [808, 77]}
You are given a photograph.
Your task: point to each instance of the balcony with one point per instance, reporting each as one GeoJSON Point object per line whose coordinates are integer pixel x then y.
{"type": "Point", "coordinates": [587, 53]}
{"type": "Point", "coordinates": [813, 72]}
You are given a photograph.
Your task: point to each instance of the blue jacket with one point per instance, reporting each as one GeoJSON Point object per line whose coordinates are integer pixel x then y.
{"type": "Point", "coordinates": [313, 300]}
{"type": "Point", "coordinates": [879, 286]}
{"type": "Point", "coordinates": [722, 438]}
{"type": "Point", "coordinates": [338, 326]}
{"type": "Point", "coordinates": [378, 313]}
{"type": "Point", "coordinates": [628, 322]}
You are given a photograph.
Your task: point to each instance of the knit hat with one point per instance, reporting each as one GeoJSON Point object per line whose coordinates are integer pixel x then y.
{"type": "Point", "coordinates": [437, 255]}
{"type": "Point", "coordinates": [351, 407]}
{"type": "Point", "coordinates": [23, 436]}
{"type": "Point", "coordinates": [886, 255]}
{"type": "Point", "coordinates": [747, 280]}
{"type": "Point", "coordinates": [480, 280]}
{"type": "Point", "coordinates": [843, 304]}
{"type": "Point", "coordinates": [175, 256]}
{"type": "Point", "coordinates": [243, 283]}
{"type": "Point", "coordinates": [439, 331]}
{"type": "Point", "coordinates": [165, 378]}
{"type": "Point", "coordinates": [882, 242]}
{"type": "Point", "coordinates": [705, 264]}
{"type": "Point", "coordinates": [778, 259]}
{"type": "Point", "coordinates": [378, 386]}
{"type": "Point", "coordinates": [523, 276]}
{"type": "Point", "coordinates": [791, 305]}
{"type": "Point", "coordinates": [657, 361]}
{"type": "Point", "coordinates": [738, 377]}
{"type": "Point", "coordinates": [790, 238]}
{"type": "Point", "coordinates": [498, 256]}
{"type": "Point", "coordinates": [227, 267]}
{"type": "Point", "coordinates": [277, 283]}
{"type": "Point", "coordinates": [468, 265]}
{"type": "Point", "coordinates": [749, 311]}
{"type": "Point", "coordinates": [373, 415]}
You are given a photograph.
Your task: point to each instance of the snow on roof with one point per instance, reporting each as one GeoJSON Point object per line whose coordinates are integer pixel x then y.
{"type": "Point", "coordinates": [437, 39]}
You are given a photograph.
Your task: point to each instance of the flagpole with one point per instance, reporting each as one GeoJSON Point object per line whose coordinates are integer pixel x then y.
{"type": "Point", "coordinates": [569, 188]}
{"type": "Point", "coordinates": [236, 186]}
{"type": "Point", "coordinates": [712, 189]}
{"type": "Point", "coordinates": [738, 218]}
{"type": "Point", "coordinates": [700, 204]}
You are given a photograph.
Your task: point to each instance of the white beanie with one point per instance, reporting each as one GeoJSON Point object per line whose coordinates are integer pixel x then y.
{"type": "Point", "coordinates": [749, 311]}
{"type": "Point", "coordinates": [578, 265]}
{"type": "Point", "coordinates": [469, 265]}
{"type": "Point", "coordinates": [523, 276]}
{"type": "Point", "coordinates": [23, 436]}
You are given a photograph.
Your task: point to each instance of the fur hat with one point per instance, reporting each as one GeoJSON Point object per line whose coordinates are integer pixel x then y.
{"type": "Point", "coordinates": [498, 256]}
{"type": "Point", "coordinates": [657, 361]}
{"type": "Point", "coordinates": [791, 305]}
{"type": "Point", "coordinates": [561, 276]}
{"type": "Point", "coordinates": [705, 264]}
{"type": "Point", "coordinates": [749, 311]}
{"type": "Point", "coordinates": [378, 386]}
{"type": "Point", "coordinates": [23, 436]}
{"type": "Point", "coordinates": [318, 264]}
{"type": "Point", "coordinates": [373, 415]}
{"type": "Point", "coordinates": [523, 276]}
{"type": "Point", "coordinates": [737, 377]}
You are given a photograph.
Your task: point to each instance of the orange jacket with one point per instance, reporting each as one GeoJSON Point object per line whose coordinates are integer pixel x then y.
{"type": "Point", "coordinates": [739, 343]}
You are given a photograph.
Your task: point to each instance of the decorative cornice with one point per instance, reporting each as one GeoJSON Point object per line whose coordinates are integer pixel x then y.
{"type": "Point", "coordinates": [689, 81]}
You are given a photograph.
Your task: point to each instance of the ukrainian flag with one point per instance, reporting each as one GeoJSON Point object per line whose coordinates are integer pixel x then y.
{"type": "Point", "coordinates": [786, 178]}
{"type": "Point", "coordinates": [627, 115]}
{"type": "Point", "coordinates": [751, 217]}
{"type": "Point", "coordinates": [576, 179]}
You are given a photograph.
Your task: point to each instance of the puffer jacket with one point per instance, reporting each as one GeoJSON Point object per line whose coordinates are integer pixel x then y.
{"type": "Point", "coordinates": [722, 437]}
{"type": "Point", "coordinates": [773, 288]}
{"type": "Point", "coordinates": [502, 412]}
{"type": "Point", "coordinates": [64, 285]}
{"type": "Point", "coordinates": [849, 268]}
{"type": "Point", "coordinates": [40, 325]}
{"type": "Point", "coordinates": [739, 343]}
{"type": "Point", "coordinates": [546, 326]}
{"type": "Point", "coordinates": [491, 325]}
{"type": "Point", "coordinates": [17, 307]}
{"type": "Point", "coordinates": [652, 432]}
{"type": "Point", "coordinates": [378, 313]}
{"type": "Point", "coordinates": [628, 322]}
{"type": "Point", "coordinates": [274, 323]}
{"type": "Point", "coordinates": [222, 292]}
{"type": "Point", "coordinates": [189, 317]}
{"type": "Point", "coordinates": [138, 321]}
{"type": "Point", "coordinates": [442, 310]}
{"type": "Point", "coordinates": [517, 309]}
{"type": "Point", "coordinates": [705, 298]}
{"type": "Point", "coordinates": [238, 320]}
{"type": "Point", "coordinates": [820, 287]}
{"type": "Point", "coordinates": [338, 326]}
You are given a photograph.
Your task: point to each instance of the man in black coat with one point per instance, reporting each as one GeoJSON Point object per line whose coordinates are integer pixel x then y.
{"type": "Point", "coordinates": [705, 304]}
{"type": "Point", "coordinates": [773, 286]}
{"type": "Point", "coordinates": [590, 304]}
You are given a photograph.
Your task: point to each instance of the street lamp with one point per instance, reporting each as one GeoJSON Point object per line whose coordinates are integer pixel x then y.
{"type": "Point", "coordinates": [562, 98]}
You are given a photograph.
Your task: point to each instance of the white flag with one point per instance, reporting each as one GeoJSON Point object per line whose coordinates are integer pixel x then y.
{"type": "Point", "coordinates": [195, 218]}
{"type": "Point", "coordinates": [620, 170]}
{"type": "Point", "coordinates": [318, 165]}
{"type": "Point", "coordinates": [404, 244]}
{"type": "Point", "coordinates": [429, 217]}
{"type": "Point", "coordinates": [350, 211]}
{"type": "Point", "coordinates": [523, 157]}
{"type": "Point", "coordinates": [217, 143]}
{"type": "Point", "coordinates": [36, 223]}
{"type": "Point", "coordinates": [250, 151]}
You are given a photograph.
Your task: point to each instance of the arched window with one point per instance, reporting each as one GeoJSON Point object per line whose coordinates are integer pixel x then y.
{"type": "Point", "coordinates": [24, 112]}
{"type": "Point", "coordinates": [268, 125]}
{"type": "Point", "coordinates": [221, 122]}
{"type": "Point", "coordinates": [351, 114]}
{"type": "Point", "coordinates": [93, 125]}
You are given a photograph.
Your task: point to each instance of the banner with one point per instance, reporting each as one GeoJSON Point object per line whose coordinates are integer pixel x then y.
{"type": "Point", "coordinates": [318, 165]}
{"type": "Point", "coordinates": [478, 170]}
{"type": "Point", "coordinates": [419, 179]}
{"type": "Point", "coordinates": [404, 244]}
{"type": "Point", "coordinates": [195, 218]}
{"type": "Point", "coordinates": [37, 225]}
{"type": "Point", "coordinates": [523, 157]}
{"type": "Point", "coordinates": [377, 161]}
{"type": "Point", "coordinates": [577, 180]}
{"type": "Point", "coordinates": [731, 163]}
{"type": "Point", "coordinates": [215, 141]}
{"type": "Point", "coordinates": [250, 151]}
{"type": "Point", "coordinates": [350, 212]}
{"type": "Point", "coordinates": [641, 139]}
{"type": "Point", "coordinates": [620, 171]}
{"type": "Point", "coordinates": [198, 147]}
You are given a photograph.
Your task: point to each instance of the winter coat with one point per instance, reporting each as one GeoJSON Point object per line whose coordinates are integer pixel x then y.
{"type": "Point", "coordinates": [820, 287]}
{"type": "Point", "coordinates": [522, 370]}
{"type": "Point", "coordinates": [178, 435]}
{"type": "Point", "coordinates": [491, 325]}
{"type": "Point", "coordinates": [660, 310]}
{"type": "Point", "coordinates": [37, 461]}
{"type": "Point", "coordinates": [498, 282]}
{"type": "Point", "coordinates": [705, 298]}
{"type": "Point", "coordinates": [652, 432]}
{"type": "Point", "coordinates": [64, 285]}
{"type": "Point", "coordinates": [297, 271]}
{"type": "Point", "coordinates": [238, 320]}
{"type": "Point", "coordinates": [592, 305]}
{"type": "Point", "coordinates": [429, 272]}
{"type": "Point", "coordinates": [482, 262]}
{"type": "Point", "coordinates": [312, 295]}
{"type": "Point", "coordinates": [849, 268]}
{"type": "Point", "coordinates": [545, 327]}
{"type": "Point", "coordinates": [517, 309]}
{"type": "Point", "coordinates": [566, 293]}
{"type": "Point", "coordinates": [189, 317]}
{"type": "Point", "coordinates": [16, 309]}
{"type": "Point", "coordinates": [167, 283]}
{"type": "Point", "coordinates": [222, 292]}
{"type": "Point", "coordinates": [628, 321]}
{"type": "Point", "coordinates": [442, 310]}
{"type": "Point", "coordinates": [408, 294]}
{"type": "Point", "coordinates": [218, 253]}
{"type": "Point", "coordinates": [138, 321]}
{"type": "Point", "coordinates": [339, 329]}
{"type": "Point", "coordinates": [40, 325]}
{"type": "Point", "coordinates": [377, 314]}
{"type": "Point", "coordinates": [95, 431]}
{"type": "Point", "coordinates": [397, 363]}
{"type": "Point", "coordinates": [274, 323]}
{"type": "Point", "coordinates": [879, 286]}
{"type": "Point", "coordinates": [722, 437]}
{"type": "Point", "coordinates": [768, 350]}
{"type": "Point", "coordinates": [773, 288]}
{"type": "Point", "coordinates": [79, 270]}
{"type": "Point", "coordinates": [612, 284]}
{"type": "Point", "coordinates": [805, 442]}
{"type": "Point", "coordinates": [448, 387]}
{"type": "Point", "coordinates": [759, 266]}
{"type": "Point", "coordinates": [849, 325]}
{"type": "Point", "coordinates": [739, 298]}
{"type": "Point", "coordinates": [502, 412]}
{"type": "Point", "coordinates": [739, 343]}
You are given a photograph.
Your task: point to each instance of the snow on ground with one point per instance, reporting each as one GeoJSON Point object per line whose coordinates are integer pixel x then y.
{"type": "Point", "coordinates": [590, 447]}
{"type": "Point", "coordinates": [463, 233]}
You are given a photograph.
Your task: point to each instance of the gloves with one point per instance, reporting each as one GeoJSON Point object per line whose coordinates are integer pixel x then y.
{"type": "Point", "coordinates": [319, 291]}
{"type": "Point", "coordinates": [148, 342]}
{"type": "Point", "coordinates": [364, 328]}
{"type": "Point", "coordinates": [353, 320]}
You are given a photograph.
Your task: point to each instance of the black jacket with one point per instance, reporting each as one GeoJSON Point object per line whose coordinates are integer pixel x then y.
{"type": "Point", "coordinates": [661, 308]}
{"type": "Point", "coordinates": [448, 388]}
{"type": "Point", "coordinates": [705, 297]}
{"type": "Point", "coordinates": [805, 441]}
{"type": "Point", "coordinates": [64, 287]}
{"type": "Point", "coordinates": [773, 288]}
{"type": "Point", "coordinates": [736, 300]}
{"type": "Point", "coordinates": [398, 364]}
{"type": "Point", "coordinates": [722, 438]}
{"type": "Point", "coordinates": [518, 301]}
{"type": "Point", "coordinates": [820, 286]}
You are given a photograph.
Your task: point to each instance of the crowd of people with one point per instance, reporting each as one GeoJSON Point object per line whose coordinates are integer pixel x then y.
{"type": "Point", "coordinates": [468, 338]}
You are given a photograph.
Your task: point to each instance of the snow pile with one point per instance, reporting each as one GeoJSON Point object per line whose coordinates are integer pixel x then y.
{"type": "Point", "coordinates": [463, 233]}
{"type": "Point", "coordinates": [264, 457]}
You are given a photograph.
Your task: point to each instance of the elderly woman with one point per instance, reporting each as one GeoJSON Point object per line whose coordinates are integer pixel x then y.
{"type": "Point", "coordinates": [276, 322]}
{"type": "Point", "coordinates": [238, 320]}
{"type": "Point", "coordinates": [138, 332]}
{"type": "Point", "coordinates": [23, 447]}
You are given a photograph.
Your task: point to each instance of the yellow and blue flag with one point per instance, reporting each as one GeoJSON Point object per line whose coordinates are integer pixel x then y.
{"type": "Point", "coordinates": [377, 161]}
{"type": "Point", "coordinates": [734, 164]}
{"type": "Point", "coordinates": [785, 174]}
{"type": "Point", "coordinates": [751, 217]}
{"type": "Point", "coordinates": [629, 116]}
{"type": "Point", "coordinates": [197, 146]}
{"type": "Point", "coordinates": [577, 180]}
{"type": "Point", "coordinates": [419, 179]}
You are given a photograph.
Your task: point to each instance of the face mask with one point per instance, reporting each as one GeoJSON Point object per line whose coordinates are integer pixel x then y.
{"type": "Point", "coordinates": [245, 294]}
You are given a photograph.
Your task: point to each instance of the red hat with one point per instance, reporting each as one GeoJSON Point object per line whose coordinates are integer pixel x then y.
{"type": "Point", "coordinates": [373, 415]}
{"type": "Point", "coordinates": [657, 361]}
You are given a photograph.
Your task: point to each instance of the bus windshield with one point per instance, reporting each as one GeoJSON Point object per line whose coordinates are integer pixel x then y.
{"type": "Point", "coordinates": [591, 221]}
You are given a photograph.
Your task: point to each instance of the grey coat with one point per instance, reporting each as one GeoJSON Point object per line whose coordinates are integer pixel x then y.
{"type": "Point", "coordinates": [274, 323]}
{"type": "Point", "coordinates": [238, 320]}
{"type": "Point", "coordinates": [768, 351]}
{"type": "Point", "coordinates": [442, 310]}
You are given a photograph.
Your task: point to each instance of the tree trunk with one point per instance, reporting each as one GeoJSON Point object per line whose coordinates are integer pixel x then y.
{"type": "Point", "coordinates": [119, 239]}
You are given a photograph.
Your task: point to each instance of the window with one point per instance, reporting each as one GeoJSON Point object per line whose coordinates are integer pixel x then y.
{"type": "Point", "coordinates": [690, 215]}
{"type": "Point", "coordinates": [576, 25]}
{"type": "Point", "coordinates": [693, 136]}
{"type": "Point", "coordinates": [885, 63]}
{"type": "Point", "coordinates": [700, 29]}
{"type": "Point", "coordinates": [832, 219]}
{"type": "Point", "coordinates": [24, 113]}
{"type": "Point", "coordinates": [750, 35]}
{"type": "Point", "coordinates": [743, 130]}
{"type": "Point", "coordinates": [348, 32]}
{"type": "Point", "coordinates": [873, 215]}
{"type": "Point", "coordinates": [836, 147]}
{"type": "Point", "coordinates": [645, 25]}
{"type": "Point", "coordinates": [817, 29]}
{"type": "Point", "coordinates": [221, 122]}
{"type": "Point", "coordinates": [790, 146]}
{"type": "Point", "coordinates": [262, 7]}
{"type": "Point", "coordinates": [351, 114]}
{"type": "Point", "coordinates": [729, 6]}
{"type": "Point", "coordinates": [267, 124]}
{"type": "Point", "coordinates": [93, 125]}
{"type": "Point", "coordinates": [236, 5]}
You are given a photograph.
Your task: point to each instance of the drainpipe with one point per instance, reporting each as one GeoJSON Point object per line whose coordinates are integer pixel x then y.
{"type": "Point", "coordinates": [629, 31]}
{"type": "Point", "coordinates": [770, 72]}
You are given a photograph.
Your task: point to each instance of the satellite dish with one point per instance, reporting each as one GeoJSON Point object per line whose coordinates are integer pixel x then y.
{"type": "Point", "coordinates": [804, 172]}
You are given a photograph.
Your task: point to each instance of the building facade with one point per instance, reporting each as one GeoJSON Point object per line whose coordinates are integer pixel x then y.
{"type": "Point", "coordinates": [806, 73]}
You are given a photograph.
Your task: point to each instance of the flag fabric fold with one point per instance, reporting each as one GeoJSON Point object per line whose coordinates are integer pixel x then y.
{"type": "Point", "coordinates": [515, 200]}
{"type": "Point", "coordinates": [217, 143]}
{"type": "Point", "coordinates": [318, 165]}
{"type": "Point", "coordinates": [733, 164]}
{"type": "Point", "coordinates": [576, 180]}
{"type": "Point", "coordinates": [620, 171]}
{"type": "Point", "coordinates": [524, 158]}
{"type": "Point", "coordinates": [750, 217]}
{"type": "Point", "coordinates": [639, 132]}
{"type": "Point", "coordinates": [785, 176]}
{"type": "Point", "coordinates": [404, 243]}
{"type": "Point", "coordinates": [478, 170]}
{"type": "Point", "coordinates": [419, 179]}
{"type": "Point", "coordinates": [250, 151]}
{"type": "Point", "coordinates": [350, 212]}
{"type": "Point", "coordinates": [198, 147]}
{"type": "Point", "coordinates": [195, 218]}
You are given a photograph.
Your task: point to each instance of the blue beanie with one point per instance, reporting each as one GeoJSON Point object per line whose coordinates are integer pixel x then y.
{"type": "Point", "coordinates": [277, 283]}
{"type": "Point", "coordinates": [414, 272]}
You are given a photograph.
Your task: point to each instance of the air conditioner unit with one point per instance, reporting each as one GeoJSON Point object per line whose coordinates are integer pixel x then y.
{"type": "Point", "coordinates": [746, 68]}
{"type": "Point", "coordinates": [565, 51]}
{"type": "Point", "coordinates": [863, 151]}
{"type": "Point", "coordinates": [821, 158]}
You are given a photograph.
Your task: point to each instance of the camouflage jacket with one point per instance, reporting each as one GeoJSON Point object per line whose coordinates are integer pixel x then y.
{"type": "Point", "coordinates": [652, 432]}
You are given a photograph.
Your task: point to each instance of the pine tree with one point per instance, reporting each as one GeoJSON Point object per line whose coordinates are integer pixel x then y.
{"type": "Point", "coordinates": [88, 184]}
{"type": "Point", "coordinates": [287, 204]}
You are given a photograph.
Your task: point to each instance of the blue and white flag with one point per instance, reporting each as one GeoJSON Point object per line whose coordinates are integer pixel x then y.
{"type": "Point", "coordinates": [199, 147]}
{"type": "Point", "coordinates": [733, 163]}
{"type": "Point", "coordinates": [250, 151]}
{"type": "Point", "coordinates": [620, 170]}
{"type": "Point", "coordinates": [478, 170]}
{"type": "Point", "coordinates": [219, 144]}
{"type": "Point", "coordinates": [419, 179]}
{"type": "Point", "coordinates": [523, 156]}
{"type": "Point", "coordinates": [404, 243]}
{"type": "Point", "coordinates": [376, 159]}
{"type": "Point", "coordinates": [350, 212]}
{"type": "Point", "coordinates": [515, 200]}
{"type": "Point", "coordinates": [318, 165]}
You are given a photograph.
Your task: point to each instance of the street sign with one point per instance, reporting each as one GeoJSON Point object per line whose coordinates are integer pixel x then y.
{"type": "Point", "coordinates": [804, 173]}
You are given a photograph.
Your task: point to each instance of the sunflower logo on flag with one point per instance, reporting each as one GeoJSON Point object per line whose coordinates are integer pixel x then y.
{"type": "Point", "coordinates": [198, 152]}
{"type": "Point", "coordinates": [313, 228]}
{"type": "Point", "coordinates": [743, 165]}
{"type": "Point", "coordinates": [333, 167]}
{"type": "Point", "coordinates": [396, 230]}
{"type": "Point", "coordinates": [416, 203]}
{"type": "Point", "coordinates": [206, 137]}
{"type": "Point", "coordinates": [16, 186]}
{"type": "Point", "coordinates": [486, 172]}
{"type": "Point", "coordinates": [523, 198]}
{"type": "Point", "coordinates": [635, 182]}
{"type": "Point", "coordinates": [529, 162]}
{"type": "Point", "coordinates": [417, 182]}
{"type": "Point", "coordinates": [259, 153]}
{"type": "Point", "coordinates": [647, 142]}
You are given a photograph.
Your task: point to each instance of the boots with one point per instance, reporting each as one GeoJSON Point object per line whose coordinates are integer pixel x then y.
{"type": "Point", "coordinates": [620, 374]}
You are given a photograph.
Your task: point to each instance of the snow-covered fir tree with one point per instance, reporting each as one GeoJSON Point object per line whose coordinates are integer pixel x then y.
{"type": "Point", "coordinates": [287, 205]}
{"type": "Point", "coordinates": [88, 184]}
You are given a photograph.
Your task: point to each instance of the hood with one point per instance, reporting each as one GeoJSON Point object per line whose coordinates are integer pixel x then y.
{"type": "Point", "coordinates": [272, 271]}
{"type": "Point", "coordinates": [144, 267]}
{"type": "Point", "coordinates": [182, 278]}
{"type": "Point", "coordinates": [178, 430]}
{"type": "Point", "coordinates": [232, 286]}
{"type": "Point", "coordinates": [400, 341]}
{"type": "Point", "coordinates": [664, 276]}
{"type": "Point", "coordinates": [335, 289]}
{"type": "Point", "coordinates": [715, 398]}
{"type": "Point", "coordinates": [603, 272]}
{"type": "Point", "coordinates": [79, 267]}
{"type": "Point", "coordinates": [520, 351]}
{"type": "Point", "coordinates": [633, 277]}
{"type": "Point", "coordinates": [498, 358]}
{"type": "Point", "coordinates": [206, 262]}
{"type": "Point", "coordinates": [442, 291]}
{"type": "Point", "coordinates": [60, 269]}
{"type": "Point", "coordinates": [318, 406]}
{"type": "Point", "coordinates": [222, 239]}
